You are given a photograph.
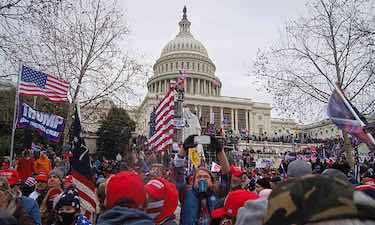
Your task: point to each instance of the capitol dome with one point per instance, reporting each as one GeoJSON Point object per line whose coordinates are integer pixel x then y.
{"type": "Point", "coordinates": [185, 52]}
{"type": "Point", "coordinates": [184, 42]}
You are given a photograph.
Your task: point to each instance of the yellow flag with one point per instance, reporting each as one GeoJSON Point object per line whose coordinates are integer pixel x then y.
{"type": "Point", "coordinates": [194, 157]}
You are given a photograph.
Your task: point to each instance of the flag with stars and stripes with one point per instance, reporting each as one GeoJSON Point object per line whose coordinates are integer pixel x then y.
{"type": "Point", "coordinates": [164, 116]}
{"type": "Point", "coordinates": [82, 171]}
{"type": "Point", "coordinates": [37, 83]}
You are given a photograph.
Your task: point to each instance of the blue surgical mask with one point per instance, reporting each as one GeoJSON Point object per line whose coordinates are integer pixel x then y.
{"type": "Point", "coordinates": [202, 186]}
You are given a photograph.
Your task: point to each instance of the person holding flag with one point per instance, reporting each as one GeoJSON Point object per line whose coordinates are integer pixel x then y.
{"type": "Point", "coordinates": [82, 171]}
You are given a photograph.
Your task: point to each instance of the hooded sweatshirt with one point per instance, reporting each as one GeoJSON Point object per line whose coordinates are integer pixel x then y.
{"type": "Point", "coordinates": [120, 216]}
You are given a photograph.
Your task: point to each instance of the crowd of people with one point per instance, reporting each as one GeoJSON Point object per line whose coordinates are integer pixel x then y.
{"type": "Point", "coordinates": [40, 190]}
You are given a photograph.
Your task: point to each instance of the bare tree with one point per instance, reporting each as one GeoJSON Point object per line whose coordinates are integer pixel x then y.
{"type": "Point", "coordinates": [81, 42]}
{"type": "Point", "coordinates": [14, 15]}
{"type": "Point", "coordinates": [326, 47]}
{"type": "Point", "coordinates": [333, 44]}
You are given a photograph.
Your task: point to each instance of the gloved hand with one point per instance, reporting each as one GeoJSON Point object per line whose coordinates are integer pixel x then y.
{"type": "Point", "coordinates": [189, 143]}
{"type": "Point", "coordinates": [216, 145]}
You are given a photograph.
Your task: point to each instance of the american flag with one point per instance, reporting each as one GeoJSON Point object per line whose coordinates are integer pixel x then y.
{"type": "Point", "coordinates": [164, 115]}
{"type": "Point", "coordinates": [216, 83]}
{"type": "Point", "coordinates": [347, 118]}
{"type": "Point", "coordinates": [36, 83]}
{"type": "Point", "coordinates": [181, 80]}
{"type": "Point", "coordinates": [82, 171]}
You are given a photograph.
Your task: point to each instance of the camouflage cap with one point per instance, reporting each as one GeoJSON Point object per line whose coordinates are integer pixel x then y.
{"type": "Point", "coordinates": [315, 198]}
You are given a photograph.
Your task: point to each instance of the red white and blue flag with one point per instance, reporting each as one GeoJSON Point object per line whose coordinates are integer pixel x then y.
{"type": "Point", "coordinates": [347, 118]}
{"type": "Point", "coordinates": [37, 83]}
{"type": "Point", "coordinates": [163, 116]}
{"type": "Point", "coordinates": [82, 172]}
{"type": "Point", "coordinates": [180, 83]}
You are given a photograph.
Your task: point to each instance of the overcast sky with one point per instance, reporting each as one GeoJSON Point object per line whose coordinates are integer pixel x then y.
{"type": "Point", "coordinates": [232, 32]}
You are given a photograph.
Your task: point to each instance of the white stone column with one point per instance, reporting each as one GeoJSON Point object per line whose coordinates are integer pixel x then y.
{"type": "Point", "coordinates": [221, 117]}
{"type": "Point", "coordinates": [232, 119]}
{"type": "Point", "coordinates": [199, 86]}
{"type": "Point", "coordinates": [191, 86]}
{"type": "Point", "coordinates": [185, 85]}
{"type": "Point", "coordinates": [247, 119]}
{"type": "Point", "coordinates": [204, 87]}
{"type": "Point", "coordinates": [165, 86]}
{"type": "Point", "coordinates": [196, 110]}
{"type": "Point", "coordinates": [252, 122]}
{"type": "Point", "coordinates": [236, 118]}
{"type": "Point", "coordinates": [213, 120]}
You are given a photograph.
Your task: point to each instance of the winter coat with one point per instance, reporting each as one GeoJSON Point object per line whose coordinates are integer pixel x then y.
{"type": "Point", "coordinates": [42, 165]}
{"type": "Point", "coordinates": [38, 197]}
{"type": "Point", "coordinates": [25, 168]}
{"type": "Point", "coordinates": [120, 216]}
{"type": "Point", "coordinates": [16, 209]}
{"type": "Point", "coordinates": [32, 208]}
{"type": "Point", "coordinates": [191, 206]}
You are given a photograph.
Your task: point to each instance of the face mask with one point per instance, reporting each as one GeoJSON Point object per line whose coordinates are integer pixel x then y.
{"type": "Point", "coordinates": [202, 186]}
{"type": "Point", "coordinates": [66, 218]}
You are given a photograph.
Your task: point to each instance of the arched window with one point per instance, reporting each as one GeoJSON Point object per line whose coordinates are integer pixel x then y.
{"type": "Point", "coordinates": [171, 66]}
{"type": "Point", "coordinates": [162, 68]}
{"type": "Point", "coordinates": [182, 65]}
{"type": "Point", "coordinates": [198, 66]}
{"type": "Point", "coordinates": [182, 46]}
{"type": "Point", "coordinates": [178, 46]}
{"type": "Point", "coordinates": [174, 46]}
{"type": "Point", "coordinates": [188, 65]}
{"type": "Point", "coordinates": [176, 65]}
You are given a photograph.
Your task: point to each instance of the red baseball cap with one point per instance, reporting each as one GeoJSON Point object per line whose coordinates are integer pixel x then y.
{"type": "Point", "coordinates": [11, 175]}
{"type": "Point", "coordinates": [68, 179]}
{"type": "Point", "coordinates": [42, 178]}
{"type": "Point", "coordinates": [234, 201]}
{"type": "Point", "coordinates": [163, 199]}
{"type": "Point", "coordinates": [236, 171]}
{"type": "Point", "coordinates": [124, 185]}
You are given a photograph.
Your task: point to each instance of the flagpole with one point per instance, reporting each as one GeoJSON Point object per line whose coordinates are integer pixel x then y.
{"type": "Point", "coordinates": [354, 113]}
{"type": "Point", "coordinates": [16, 102]}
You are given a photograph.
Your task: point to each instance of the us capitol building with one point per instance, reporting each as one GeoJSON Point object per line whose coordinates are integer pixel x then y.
{"type": "Point", "coordinates": [202, 88]}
